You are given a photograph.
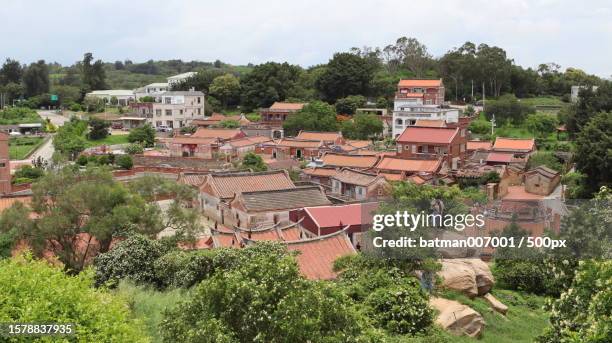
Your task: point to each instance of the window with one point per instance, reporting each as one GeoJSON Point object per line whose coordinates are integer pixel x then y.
{"type": "Point", "coordinates": [158, 112]}
{"type": "Point", "coordinates": [398, 121]}
{"type": "Point", "coordinates": [414, 148]}
{"type": "Point", "coordinates": [168, 112]}
{"type": "Point", "coordinates": [462, 148]}
{"type": "Point", "coordinates": [462, 132]}
{"type": "Point", "coordinates": [181, 112]}
{"type": "Point", "coordinates": [199, 111]}
{"type": "Point", "coordinates": [158, 123]}
{"type": "Point", "coordinates": [399, 148]}
{"type": "Point", "coordinates": [168, 100]}
{"type": "Point", "coordinates": [199, 100]}
{"type": "Point", "coordinates": [2, 165]}
{"type": "Point", "coordinates": [170, 123]}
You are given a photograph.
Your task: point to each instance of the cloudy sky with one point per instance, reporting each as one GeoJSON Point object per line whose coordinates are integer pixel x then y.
{"type": "Point", "coordinates": [570, 32]}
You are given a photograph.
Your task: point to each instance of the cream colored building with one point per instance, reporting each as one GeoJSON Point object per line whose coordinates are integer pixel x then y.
{"type": "Point", "coordinates": [177, 109]}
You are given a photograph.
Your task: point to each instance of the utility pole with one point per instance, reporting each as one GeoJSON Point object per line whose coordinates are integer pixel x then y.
{"type": "Point", "coordinates": [472, 89]}
{"type": "Point", "coordinates": [493, 124]}
{"type": "Point", "coordinates": [483, 95]}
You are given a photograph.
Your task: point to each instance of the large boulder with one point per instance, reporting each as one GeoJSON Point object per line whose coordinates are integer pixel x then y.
{"type": "Point", "coordinates": [496, 304]}
{"type": "Point", "coordinates": [470, 276]}
{"type": "Point", "coordinates": [458, 276]}
{"type": "Point", "coordinates": [457, 318]}
{"type": "Point", "coordinates": [484, 277]}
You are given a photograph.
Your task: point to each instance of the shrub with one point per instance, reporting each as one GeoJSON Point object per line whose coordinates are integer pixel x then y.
{"type": "Point", "coordinates": [185, 268]}
{"type": "Point", "coordinates": [134, 149]}
{"type": "Point", "coordinates": [124, 161]}
{"type": "Point", "coordinates": [82, 160]}
{"type": "Point", "coordinates": [34, 291]}
{"type": "Point", "coordinates": [401, 309]}
{"type": "Point", "coordinates": [132, 259]}
{"type": "Point", "coordinates": [480, 127]}
{"type": "Point", "coordinates": [544, 158]}
{"type": "Point", "coordinates": [98, 128]}
{"type": "Point", "coordinates": [75, 107]}
{"type": "Point", "coordinates": [144, 135]}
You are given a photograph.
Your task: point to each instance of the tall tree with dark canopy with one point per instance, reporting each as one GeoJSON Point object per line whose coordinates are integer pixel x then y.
{"type": "Point", "coordinates": [93, 75]}
{"type": "Point", "coordinates": [316, 116]}
{"type": "Point", "coordinates": [36, 79]}
{"type": "Point", "coordinates": [269, 82]}
{"type": "Point", "coordinates": [594, 152]}
{"type": "Point", "coordinates": [346, 74]}
{"type": "Point", "coordinates": [11, 72]}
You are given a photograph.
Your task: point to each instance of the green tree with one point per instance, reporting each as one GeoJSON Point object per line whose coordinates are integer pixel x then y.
{"type": "Point", "coordinates": [144, 135]}
{"type": "Point", "coordinates": [229, 124]}
{"type": "Point", "coordinates": [363, 126]}
{"type": "Point", "coordinates": [36, 79]}
{"type": "Point", "coordinates": [315, 116]}
{"type": "Point", "coordinates": [590, 103]}
{"type": "Point", "coordinates": [508, 109]}
{"type": "Point", "coordinates": [70, 138]}
{"type": "Point", "coordinates": [226, 88]}
{"type": "Point", "coordinates": [253, 162]}
{"type": "Point", "coordinates": [11, 72]}
{"type": "Point", "coordinates": [34, 291]}
{"type": "Point", "coordinates": [544, 158]}
{"type": "Point", "coordinates": [201, 81]}
{"type": "Point", "coordinates": [265, 300]}
{"type": "Point", "coordinates": [98, 128]}
{"type": "Point", "coordinates": [593, 152]}
{"type": "Point", "coordinates": [60, 202]}
{"type": "Point", "coordinates": [350, 104]}
{"type": "Point", "coordinates": [124, 161]}
{"type": "Point", "coordinates": [541, 124]}
{"type": "Point", "coordinates": [345, 74]}
{"type": "Point", "coordinates": [92, 74]}
{"type": "Point", "coordinates": [267, 83]}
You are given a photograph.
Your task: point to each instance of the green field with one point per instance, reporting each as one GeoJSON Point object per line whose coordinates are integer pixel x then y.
{"type": "Point", "coordinates": [543, 101]}
{"type": "Point", "coordinates": [21, 147]}
{"type": "Point", "coordinates": [109, 140]}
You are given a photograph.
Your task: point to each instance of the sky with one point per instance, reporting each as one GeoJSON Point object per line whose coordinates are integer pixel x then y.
{"type": "Point", "coordinates": [570, 33]}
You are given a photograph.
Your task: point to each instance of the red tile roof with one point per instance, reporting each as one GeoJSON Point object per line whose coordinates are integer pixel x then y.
{"type": "Point", "coordinates": [479, 145]}
{"type": "Point", "coordinates": [225, 134]}
{"type": "Point", "coordinates": [193, 140]}
{"type": "Point", "coordinates": [192, 179]}
{"type": "Point", "coordinates": [225, 185]}
{"type": "Point", "coordinates": [433, 135]}
{"type": "Point", "coordinates": [334, 216]}
{"type": "Point", "coordinates": [519, 193]}
{"type": "Point", "coordinates": [354, 161]}
{"type": "Point", "coordinates": [316, 256]}
{"type": "Point", "coordinates": [287, 106]}
{"type": "Point", "coordinates": [299, 143]}
{"type": "Point", "coordinates": [360, 144]}
{"type": "Point", "coordinates": [499, 157]}
{"type": "Point", "coordinates": [280, 199]}
{"type": "Point", "coordinates": [356, 177]}
{"type": "Point", "coordinates": [246, 141]}
{"type": "Point", "coordinates": [409, 165]}
{"type": "Point", "coordinates": [420, 83]}
{"type": "Point", "coordinates": [392, 176]}
{"type": "Point", "coordinates": [319, 136]}
{"type": "Point", "coordinates": [514, 144]}
{"type": "Point", "coordinates": [320, 171]}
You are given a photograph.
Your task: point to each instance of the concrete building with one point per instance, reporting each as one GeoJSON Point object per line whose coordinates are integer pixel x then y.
{"type": "Point", "coordinates": [172, 80]}
{"type": "Point", "coordinates": [575, 91]}
{"type": "Point", "coordinates": [177, 109]}
{"type": "Point", "coordinates": [359, 185]}
{"type": "Point", "coordinates": [124, 96]}
{"type": "Point", "coordinates": [434, 142]}
{"type": "Point", "coordinates": [278, 112]}
{"type": "Point", "coordinates": [153, 89]}
{"type": "Point", "coordinates": [420, 99]}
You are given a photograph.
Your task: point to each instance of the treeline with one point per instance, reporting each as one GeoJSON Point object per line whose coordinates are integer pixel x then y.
{"type": "Point", "coordinates": [469, 72]}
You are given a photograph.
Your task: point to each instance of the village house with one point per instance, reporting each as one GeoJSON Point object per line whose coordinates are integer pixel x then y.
{"type": "Point", "coordinates": [325, 220]}
{"type": "Point", "coordinates": [507, 151]}
{"type": "Point", "coordinates": [278, 112]}
{"type": "Point", "coordinates": [434, 142]}
{"type": "Point", "coordinates": [189, 146]}
{"type": "Point", "coordinates": [328, 138]}
{"type": "Point", "coordinates": [479, 145]}
{"type": "Point", "coordinates": [256, 129]}
{"type": "Point", "coordinates": [418, 100]}
{"type": "Point", "coordinates": [335, 160]}
{"type": "Point", "coordinates": [216, 118]}
{"type": "Point", "coordinates": [295, 148]}
{"type": "Point", "coordinates": [542, 180]}
{"type": "Point", "coordinates": [319, 175]}
{"type": "Point", "coordinates": [237, 148]}
{"type": "Point", "coordinates": [359, 185]}
{"type": "Point", "coordinates": [220, 188]}
{"type": "Point", "coordinates": [271, 207]}
{"type": "Point", "coordinates": [220, 135]}
{"type": "Point", "coordinates": [176, 109]}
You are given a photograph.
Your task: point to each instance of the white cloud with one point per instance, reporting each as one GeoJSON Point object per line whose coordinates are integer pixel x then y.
{"type": "Point", "coordinates": [303, 32]}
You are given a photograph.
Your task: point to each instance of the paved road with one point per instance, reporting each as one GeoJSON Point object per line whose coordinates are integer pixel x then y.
{"type": "Point", "coordinates": [55, 118]}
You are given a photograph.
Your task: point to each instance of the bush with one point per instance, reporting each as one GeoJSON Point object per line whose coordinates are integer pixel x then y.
{"type": "Point", "coordinates": [507, 109]}
{"type": "Point", "coordinates": [544, 158]}
{"type": "Point", "coordinates": [98, 128]}
{"type": "Point", "coordinates": [480, 127]}
{"type": "Point", "coordinates": [132, 259]}
{"type": "Point", "coordinates": [124, 161]}
{"type": "Point", "coordinates": [29, 172]}
{"type": "Point", "coordinates": [144, 135]}
{"type": "Point", "coordinates": [401, 309]}
{"type": "Point", "coordinates": [74, 107]}
{"type": "Point", "coordinates": [349, 104]}
{"type": "Point", "coordinates": [134, 149]}
{"type": "Point", "coordinates": [185, 268]}
{"type": "Point", "coordinates": [34, 291]}
{"type": "Point", "coordinates": [82, 160]}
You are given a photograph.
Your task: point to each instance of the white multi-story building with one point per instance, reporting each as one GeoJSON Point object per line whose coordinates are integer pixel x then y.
{"type": "Point", "coordinates": [420, 99]}
{"type": "Point", "coordinates": [177, 108]}
{"type": "Point", "coordinates": [153, 89]}
{"type": "Point", "coordinates": [172, 80]}
{"type": "Point", "coordinates": [123, 96]}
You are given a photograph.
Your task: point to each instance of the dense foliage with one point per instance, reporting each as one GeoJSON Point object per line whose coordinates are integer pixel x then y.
{"type": "Point", "coordinates": [315, 116]}
{"type": "Point", "coordinates": [34, 291]}
{"type": "Point", "coordinates": [144, 135]}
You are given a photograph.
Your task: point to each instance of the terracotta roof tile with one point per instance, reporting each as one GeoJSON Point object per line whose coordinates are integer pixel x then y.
{"type": "Point", "coordinates": [409, 165]}
{"type": "Point", "coordinates": [479, 145]}
{"type": "Point", "coordinates": [319, 136]}
{"type": "Point", "coordinates": [355, 177]}
{"type": "Point", "coordinates": [287, 106]}
{"type": "Point", "coordinates": [514, 144]}
{"type": "Point", "coordinates": [420, 83]}
{"type": "Point", "coordinates": [217, 133]}
{"type": "Point", "coordinates": [299, 143]}
{"type": "Point", "coordinates": [320, 171]}
{"type": "Point", "coordinates": [360, 144]}
{"type": "Point", "coordinates": [434, 135]}
{"type": "Point", "coordinates": [354, 161]}
{"type": "Point", "coordinates": [193, 140]}
{"type": "Point", "coordinates": [499, 157]}
{"type": "Point", "coordinates": [430, 123]}
{"type": "Point", "coordinates": [317, 256]}
{"type": "Point", "coordinates": [282, 199]}
{"type": "Point", "coordinates": [225, 185]}
{"type": "Point", "coordinates": [192, 179]}
{"type": "Point", "coordinates": [246, 141]}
